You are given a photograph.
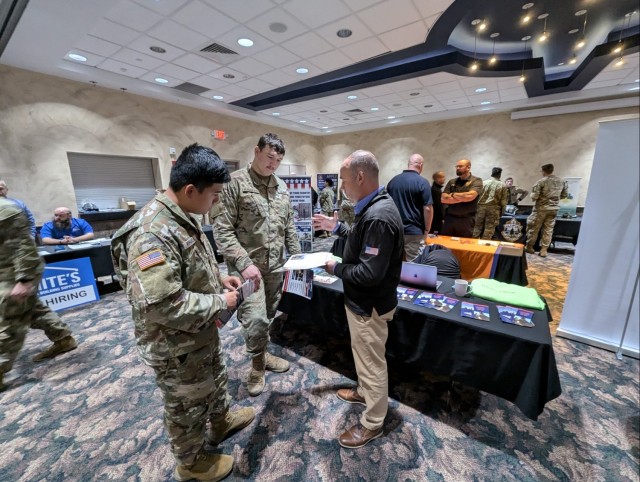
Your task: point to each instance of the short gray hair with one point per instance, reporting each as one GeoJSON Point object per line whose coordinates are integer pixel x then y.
{"type": "Point", "coordinates": [364, 161]}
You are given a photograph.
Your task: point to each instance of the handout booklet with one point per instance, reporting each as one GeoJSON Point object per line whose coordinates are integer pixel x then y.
{"type": "Point", "coordinates": [435, 301]}
{"type": "Point", "coordinates": [406, 294]}
{"type": "Point", "coordinates": [516, 316]}
{"type": "Point", "coordinates": [475, 311]}
{"type": "Point", "coordinates": [246, 289]}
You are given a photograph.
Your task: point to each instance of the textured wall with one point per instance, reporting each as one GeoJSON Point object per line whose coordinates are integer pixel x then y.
{"type": "Point", "coordinates": [43, 117]}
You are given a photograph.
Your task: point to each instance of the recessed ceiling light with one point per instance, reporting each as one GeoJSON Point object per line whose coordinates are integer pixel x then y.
{"type": "Point", "coordinates": [526, 18]}
{"type": "Point", "coordinates": [391, 117]}
{"type": "Point", "coordinates": [561, 63]}
{"type": "Point", "coordinates": [245, 42]}
{"type": "Point", "coordinates": [352, 97]}
{"type": "Point", "coordinates": [620, 62]}
{"type": "Point", "coordinates": [579, 13]}
{"type": "Point", "coordinates": [375, 108]}
{"type": "Point", "coordinates": [481, 89]}
{"type": "Point", "coordinates": [580, 44]}
{"type": "Point", "coordinates": [344, 33]}
{"type": "Point", "coordinates": [573, 59]}
{"type": "Point", "coordinates": [637, 80]}
{"type": "Point", "coordinates": [77, 57]}
{"type": "Point", "coordinates": [325, 127]}
{"type": "Point", "coordinates": [572, 31]}
{"type": "Point", "coordinates": [485, 102]}
{"type": "Point", "coordinates": [303, 122]}
{"type": "Point", "coordinates": [475, 21]}
{"type": "Point", "coordinates": [618, 49]}
{"type": "Point", "coordinates": [413, 94]}
{"type": "Point", "coordinates": [302, 70]}
{"type": "Point", "coordinates": [522, 78]}
{"type": "Point", "coordinates": [542, 16]}
{"type": "Point", "coordinates": [160, 80]}
{"type": "Point", "coordinates": [527, 6]}
{"type": "Point", "coordinates": [278, 27]}
{"type": "Point", "coordinates": [218, 97]}
{"type": "Point", "coordinates": [486, 108]}
{"type": "Point", "coordinates": [158, 50]}
{"type": "Point", "coordinates": [275, 113]}
{"type": "Point", "coordinates": [634, 88]}
{"type": "Point", "coordinates": [229, 76]}
{"type": "Point", "coordinates": [525, 38]}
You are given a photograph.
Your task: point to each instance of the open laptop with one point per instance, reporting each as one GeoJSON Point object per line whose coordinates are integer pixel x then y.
{"type": "Point", "coordinates": [420, 275]}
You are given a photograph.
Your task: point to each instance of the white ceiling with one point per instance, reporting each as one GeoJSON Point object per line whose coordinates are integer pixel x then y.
{"type": "Point", "coordinates": [115, 38]}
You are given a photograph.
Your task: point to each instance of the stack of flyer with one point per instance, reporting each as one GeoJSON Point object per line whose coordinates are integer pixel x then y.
{"type": "Point", "coordinates": [475, 311]}
{"type": "Point", "coordinates": [435, 301]}
{"type": "Point", "coordinates": [516, 316]}
{"type": "Point", "coordinates": [406, 294]}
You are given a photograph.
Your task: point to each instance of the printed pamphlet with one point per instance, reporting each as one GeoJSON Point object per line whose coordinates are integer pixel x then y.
{"type": "Point", "coordinates": [406, 294]}
{"type": "Point", "coordinates": [299, 282]}
{"type": "Point", "coordinates": [435, 301]}
{"type": "Point", "coordinates": [321, 276]}
{"type": "Point", "coordinates": [475, 311]}
{"type": "Point", "coordinates": [516, 316]}
{"type": "Point", "coordinates": [308, 260]}
{"type": "Point", "coordinates": [246, 289]}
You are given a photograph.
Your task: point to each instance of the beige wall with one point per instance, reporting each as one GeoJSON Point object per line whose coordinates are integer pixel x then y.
{"type": "Point", "coordinates": [42, 118]}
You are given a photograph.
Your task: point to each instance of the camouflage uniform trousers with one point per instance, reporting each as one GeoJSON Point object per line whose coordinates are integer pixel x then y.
{"type": "Point", "coordinates": [538, 220]}
{"type": "Point", "coordinates": [194, 390]}
{"type": "Point", "coordinates": [257, 312]}
{"type": "Point", "coordinates": [16, 319]}
{"type": "Point", "coordinates": [487, 217]}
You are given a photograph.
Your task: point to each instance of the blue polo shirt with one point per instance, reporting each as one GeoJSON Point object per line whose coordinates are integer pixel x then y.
{"type": "Point", "coordinates": [411, 192]}
{"type": "Point", "coordinates": [78, 228]}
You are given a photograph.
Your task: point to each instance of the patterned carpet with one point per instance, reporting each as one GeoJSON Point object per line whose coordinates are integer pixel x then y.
{"type": "Point", "coordinates": [95, 414]}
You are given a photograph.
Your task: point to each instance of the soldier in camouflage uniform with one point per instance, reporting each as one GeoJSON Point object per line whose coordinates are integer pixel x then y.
{"type": "Point", "coordinates": [20, 308]}
{"type": "Point", "coordinates": [491, 205]}
{"type": "Point", "coordinates": [516, 194]}
{"type": "Point", "coordinates": [327, 200]}
{"type": "Point", "coordinates": [546, 194]}
{"type": "Point", "coordinates": [167, 267]}
{"type": "Point", "coordinates": [252, 234]}
{"type": "Point", "coordinates": [347, 213]}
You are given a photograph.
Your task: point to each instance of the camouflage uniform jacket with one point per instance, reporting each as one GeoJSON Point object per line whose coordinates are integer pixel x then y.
{"type": "Point", "coordinates": [168, 270]}
{"type": "Point", "coordinates": [257, 222]}
{"type": "Point", "coordinates": [516, 194]}
{"type": "Point", "coordinates": [494, 193]}
{"type": "Point", "coordinates": [327, 200]}
{"type": "Point", "coordinates": [547, 192]}
{"type": "Point", "coordinates": [19, 259]}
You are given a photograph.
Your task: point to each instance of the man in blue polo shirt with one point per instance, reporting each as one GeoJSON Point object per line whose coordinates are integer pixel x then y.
{"type": "Point", "coordinates": [65, 229]}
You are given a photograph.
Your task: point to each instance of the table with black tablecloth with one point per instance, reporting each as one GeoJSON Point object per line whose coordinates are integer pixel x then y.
{"type": "Point", "coordinates": [565, 229]}
{"type": "Point", "coordinates": [99, 252]}
{"type": "Point", "coordinates": [512, 362]}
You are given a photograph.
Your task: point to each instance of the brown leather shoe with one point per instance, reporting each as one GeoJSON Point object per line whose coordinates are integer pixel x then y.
{"type": "Point", "coordinates": [358, 436]}
{"type": "Point", "coordinates": [350, 395]}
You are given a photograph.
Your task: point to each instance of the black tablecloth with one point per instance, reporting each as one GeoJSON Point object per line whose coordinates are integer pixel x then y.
{"type": "Point", "coordinates": [512, 362]}
{"type": "Point", "coordinates": [565, 229]}
{"type": "Point", "coordinates": [100, 256]}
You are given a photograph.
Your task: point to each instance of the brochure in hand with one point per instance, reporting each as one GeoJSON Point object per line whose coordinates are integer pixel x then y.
{"type": "Point", "coordinates": [246, 289]}
{"type": "Point", "coordinates": [406, 294]}
{"type": "Point", "coordinates": [475, 311]}
{"type": "Point", "coordinates": [436, 301]}
{"type": "Point", "coordinates": [516, 316]}
{"type": "Point", "coordinates": [321, 276]}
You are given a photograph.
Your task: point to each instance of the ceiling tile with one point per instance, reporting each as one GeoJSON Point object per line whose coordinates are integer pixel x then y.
{"type": "Point", "coordinates": [122, 68]}
{"type": "Point", "coordinates": [133, 16]}
{"type": "Point", "coordinates": [278, 57]}
{"type": "Point", "coordinates": [151, 76]}
{"type": "Point", "coordinates": [407, 85]}
{"type": "Point", "coordinates": [92, 59]}
{"type": "Point", "coordinates": [432, 7]}
{"type": "Point", "coordinates": [137, 59]}
{"type": "Point", "coordinates": [358, 29]}
{"type": "Point", "coordinates": [516, 93]}
{"type": "Point", "coordinates": [143, 44]}
{"type": "Point", "coordinates": [631, 78]}
{"type": "Point", "coordinates": [407, 111]}
{"type": "Point", "coordinates": [235, 91]}
{"type": "Point", "coordinates": [331, 61]}
{"type": "Point", "coordinates": [509, 83]}
{"type": "Point", "coordinates": [177, 72]}
{"type": "Point", "coordinates": [455, 104]}
{"type": "Point", "coordinates": [204, 19]}
{"type": "Point", "coordinates": [262, 25]}
{"type": "Point", "coordinates": [307, 45]}
{"type": "Point", "coordinates": [435, 107]}
{"type": "Point", "coordinates": [209, 82]}
{"type": "Point", "coordinates": [382, 89]}
{"type": "Point", "coordinates": [446, 87]}
{"type": "Point", "coordinates": [365, 49]}
{"type": "Point", "coordinates": [97, 46]}
{"type": "Point", "coordinates": [278, 78]}
{"type": "Point", "coordinates": [388, 99]}
{"type": "Point", "coordinates": [221, 72]}
{"type": "Point", "coordinates": [239, 11]}
{"type": "Point", "coordinates": [256, 85]}
{"type": "Point", "coordinates": [403, 37]}
{"type": "Point", "coordinates": [477, 82]}
{"type": "Point", "coordinates": [163, 7]}
{"type": "Point", "coordinates": [178, 35]}
{"type": "Point", "coordinates": [421, 101]}
{"type": "Point", "coordinates": [452, 94]}
{"type": "Point", "coordinates": [389, 15]}
{"type": "Point", "coordinates": [357, 5]}
{"type": "Point", "coordinates": [197, 63]}
{"type": "Point", "coordinates": [209, 95]}
{"type": "Point", "coordinates": [436, 79]}
{"type": "Point", "coordinates": [493, 97]}
{"type": "Point", "coordinates": [250, 66]}
{"type": "Point", "coordinates": [317, 13]}
{"type": "Point", "coordinates": [415, 95]}
{"type": "Point", "coordinates": [597, 85]}
{"type": "Point", "coordinates": [114, 32]}
{"type": "Point", "coordinates": [613, 75]}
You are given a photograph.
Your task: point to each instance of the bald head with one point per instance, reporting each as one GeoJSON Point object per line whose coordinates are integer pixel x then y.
{"type": "Point", "coordinates": [3, 188]}
{"type": "Point", "coordinates": [416, 162]}
{"type": "Point", "coordinates": [359, 175]}
{"type": "Point", "coordinates": [463, 168]}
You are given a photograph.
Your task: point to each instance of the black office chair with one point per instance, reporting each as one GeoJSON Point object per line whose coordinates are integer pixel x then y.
{"type": "Point", "coordinates": [442, 258]}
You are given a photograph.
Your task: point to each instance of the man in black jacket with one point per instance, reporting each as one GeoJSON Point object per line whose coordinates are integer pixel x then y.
{"type": "Point", "coordinates": [370, 272]}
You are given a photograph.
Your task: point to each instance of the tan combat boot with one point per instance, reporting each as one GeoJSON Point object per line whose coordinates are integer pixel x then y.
{"type": "Point", "coordinates": [543, 252]}
{"type": "Point", "coordinates": [231, 422]}
{"type": "Point", "coordinates": [529, 249]}
{"type": "Point", "coordinates": [68, 343]}
{"type": "Point", "coordinates": [208, 467]}
{"type": "Point", "coordinates": [255, 381]}
{"type": "Point", "coordinates": [275, 364]}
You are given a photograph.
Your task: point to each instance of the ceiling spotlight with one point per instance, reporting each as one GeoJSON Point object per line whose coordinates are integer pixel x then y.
{"type": "Point", "coordinates": [620, 62]}
{"type": "Point", "coordinates": [482, 26]}
{"type": "Point", "coordinates": [493, 59]}
{"type": "Point", "coordinates": [218, 97]}
{"type": "Point", "coordinates": [303, 122]}
{"type": "Point", "coordinates": [302, 70]}
{"type": "Point", "coordinates": [474, 66]}
{"type": "Point", "coordinates": [580, 44]}
{"type": "Point", "coordinates": [522, 78]}
{"type": "Point", "coordinates": [579, 13]}
{"type": "Point", "coordinates": [344, 33]}
{"type": "Point", "coordinates": [527, 6]}
{"type": "Point", "coordinates": [573, 59]}
{"type": "Point", "coordinates": [375, 109]}
{"type": "Point", "coordinates": [618, 49]}
{"type": "Point", "coordinates": [481, 89]}
{"type": "Point", "coordinates": [543, 37]}
{"type": "Point", "coordinates": [352, 97]}
{"type": "Point", "coordinates": [245, 42]}
{"type": "Point", "coordinates": [325, 127]}
{"type": "Point", "coordinates": [160, 80]}
{"type": "Point", "coordinates": [561, 63]}
{"type": "Point", "coordinates": [485, 102]}
{"type": "Point", "coordinates": [573, 30]}
{"type": "Point", "coordinates": [526, 18]}
{"type": "Point", "coordinates": [77, 57]}
{"type": "Point", "coordinates": [275, 113]}
{"type": "Point", "coordinates": [391, 117]}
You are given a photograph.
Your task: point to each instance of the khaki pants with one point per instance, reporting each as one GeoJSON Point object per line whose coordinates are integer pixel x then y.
{"type": "Point", "coordinates": [368, 340]}
{"type": "Point", "coordinates": [412, 244]}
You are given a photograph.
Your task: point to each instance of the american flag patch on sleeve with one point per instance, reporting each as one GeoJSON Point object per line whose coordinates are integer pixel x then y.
{"type": "Point", "coordinates": [150, 258]}
{"type": "Point", "coordinates": [371, 250]}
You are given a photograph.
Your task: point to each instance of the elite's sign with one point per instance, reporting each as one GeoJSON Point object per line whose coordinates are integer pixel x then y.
{"type": "Point", "coordinates": [68, 283]}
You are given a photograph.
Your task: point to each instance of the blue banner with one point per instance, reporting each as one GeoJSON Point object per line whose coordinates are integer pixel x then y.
{"type": "Point", "coordinates": [68, 283]}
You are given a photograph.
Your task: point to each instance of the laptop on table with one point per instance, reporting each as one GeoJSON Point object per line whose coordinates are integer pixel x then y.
{"type": "Point", "coordinates": [420, 275]}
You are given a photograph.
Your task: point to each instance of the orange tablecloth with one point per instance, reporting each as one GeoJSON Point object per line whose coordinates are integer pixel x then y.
{"type": "Point", "coordinates": [476, 260]}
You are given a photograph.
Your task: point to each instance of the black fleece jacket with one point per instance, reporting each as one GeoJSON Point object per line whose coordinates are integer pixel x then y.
{"type": "Point", "coordinates": [372, 257]}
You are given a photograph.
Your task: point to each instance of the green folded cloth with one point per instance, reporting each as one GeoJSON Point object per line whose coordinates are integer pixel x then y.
{"type": "Point", "coordinates": [490, 289]}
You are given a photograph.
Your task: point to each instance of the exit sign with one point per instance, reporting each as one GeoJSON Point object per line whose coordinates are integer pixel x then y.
{"type": "Point", "coordinates": [219, 135]}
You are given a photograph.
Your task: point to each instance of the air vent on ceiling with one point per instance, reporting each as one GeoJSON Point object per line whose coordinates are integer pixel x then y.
{"type": "Point", "coordinates": [218, 53]}
{"type": "Point", "coordinates": [354, 111]}
{"type": "Point", "coordinates": [191, 88]}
